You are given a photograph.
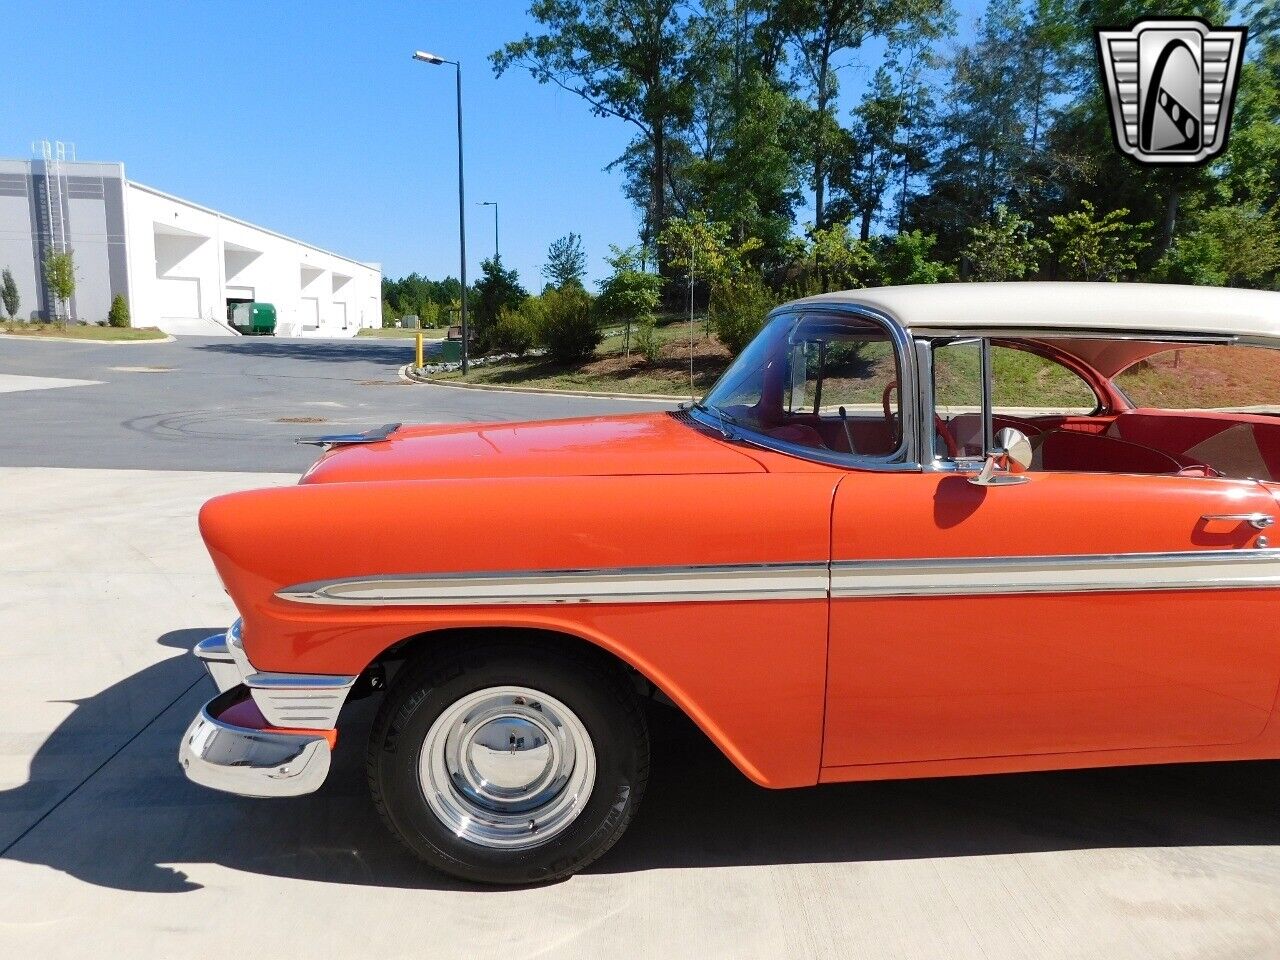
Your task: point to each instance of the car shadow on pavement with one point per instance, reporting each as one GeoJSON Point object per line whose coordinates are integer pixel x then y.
{"type": "Point", "coordinates": [135, 823]}
{"type": "Point", "coordinates": [388, 352]}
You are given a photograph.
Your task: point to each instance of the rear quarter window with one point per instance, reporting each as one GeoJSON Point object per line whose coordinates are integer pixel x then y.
{"type": "Point", "coordinates": [1206, 378]}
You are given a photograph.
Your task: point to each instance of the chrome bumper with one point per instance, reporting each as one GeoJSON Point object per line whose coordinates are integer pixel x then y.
{"type": "Point", "coordinates": [247, 761]}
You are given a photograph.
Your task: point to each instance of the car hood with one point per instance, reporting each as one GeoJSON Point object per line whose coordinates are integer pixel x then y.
{"type": "Point", "coordinates": [642, 444]}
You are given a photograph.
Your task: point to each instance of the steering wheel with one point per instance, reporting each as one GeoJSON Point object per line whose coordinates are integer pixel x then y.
{"type": "Point", "coordinates": [939, 424]}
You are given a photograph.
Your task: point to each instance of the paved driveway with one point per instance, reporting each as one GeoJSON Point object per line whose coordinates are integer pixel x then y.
{"type": "Point", "coordinates": [106, 849]}
{"type": "Point", "coordinates": [224, 403]}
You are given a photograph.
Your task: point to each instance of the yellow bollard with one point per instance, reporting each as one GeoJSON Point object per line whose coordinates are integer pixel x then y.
{"type": "Point", "coordinates": [418, 350]}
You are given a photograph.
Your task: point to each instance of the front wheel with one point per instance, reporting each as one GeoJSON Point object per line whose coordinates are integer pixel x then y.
{"type": "Point", "coordinates": [509, 765]}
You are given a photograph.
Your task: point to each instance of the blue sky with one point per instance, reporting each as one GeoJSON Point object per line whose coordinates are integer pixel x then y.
{"type": "Point", "coordinates": [314, 121]}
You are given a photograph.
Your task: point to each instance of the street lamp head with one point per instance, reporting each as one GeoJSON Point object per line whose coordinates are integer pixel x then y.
{"type": "Point", "coordinates": [487, 203]}
{"type": "Point", "coordinates": [428, 57]}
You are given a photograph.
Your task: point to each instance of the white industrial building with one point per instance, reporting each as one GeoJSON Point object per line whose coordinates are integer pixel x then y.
{"type": "Point", "coordinates": [179, 265]}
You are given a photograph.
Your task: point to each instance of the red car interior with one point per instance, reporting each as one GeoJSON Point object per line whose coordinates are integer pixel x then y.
{"type": "Point", "coordinates": [1144, 440]}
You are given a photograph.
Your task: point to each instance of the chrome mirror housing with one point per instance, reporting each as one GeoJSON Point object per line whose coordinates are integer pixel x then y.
{"type": "Point", "coordinates": [1010, 458]}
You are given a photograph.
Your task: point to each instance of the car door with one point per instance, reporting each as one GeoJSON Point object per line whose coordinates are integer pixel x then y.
{"type": "Point", "coordinates": [1072, 612]}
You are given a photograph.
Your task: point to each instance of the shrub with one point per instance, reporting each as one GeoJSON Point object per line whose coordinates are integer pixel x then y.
{"type": "Point", "coordinates": [738, 309]}
{"type": "Point", "coordinates": [565, 324]}
{"type": "Point", "coordinates": [514, 332]}
{"type": "Point", "coordinates": [647, 341]}
{"type": "Point", "coordinates": [118, 315]}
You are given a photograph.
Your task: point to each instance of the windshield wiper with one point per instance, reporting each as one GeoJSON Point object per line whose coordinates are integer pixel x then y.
{"type": "Point", "coordinates": [725, 419]}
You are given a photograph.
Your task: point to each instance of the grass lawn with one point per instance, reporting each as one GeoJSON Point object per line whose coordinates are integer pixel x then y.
{"type": "Point", "coordinates": [78, 332]}
{"type": "Point", "coordinates": [612, 372]}
{"type": "Point", "coordinates": [396, 333]}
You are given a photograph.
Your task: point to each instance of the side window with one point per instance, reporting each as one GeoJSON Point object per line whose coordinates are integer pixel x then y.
{"type": "Point", "coordinates": [957, 399]}
{"type": "Point", "coordinates": [1027, 385]}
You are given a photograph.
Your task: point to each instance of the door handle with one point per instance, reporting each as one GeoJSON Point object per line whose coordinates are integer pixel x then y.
{"type": "Point", "coordinates": [1259, 521]}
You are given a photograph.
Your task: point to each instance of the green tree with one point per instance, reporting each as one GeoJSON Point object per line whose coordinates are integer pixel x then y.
{"type": "Point", "coordinates": [496, 290]}
{"type": "Point", "coordinates": [60, 274]}
{"type": "Point", "coordinates": [566, 264]}
{"type": "Point", "coordinates": [738, 309]}
{"type": "Point", "coordinates": [736, 159]}
{"type": "Point", "coordinates": [388, 315]}
{"type": "Point", "coordinates": [629, 294]}
{"type": "Point", "coordinates": [1228, 246]}
{"type": "Point", "coordinates": [9, 293]}
{"type": "Point", "coordinates": [822, 33]}
{"type": "Point", "coordinates": [906, 258]}
{"type": "Point", "coordinates": [118, 315]}
{"type": "Point", "coordinates": [838, 261]}
{"type": "Point", "coordinates": [1003, 248]}
{"type": "Point", "coordinates": [705, 248]}
{"type": "Point", "coordinates": [1090, 247]}
{"type": "Point", "coordinates": [636, 60]}
{"type": "Point", "coordinates": [890, 138]}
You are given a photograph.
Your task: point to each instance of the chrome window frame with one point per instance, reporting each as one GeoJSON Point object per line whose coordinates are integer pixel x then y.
{"type": "Point", "coordinates": [925, 345]}
{"type": "Point", "coordinates": [905, 458]}
{"type": "Point", "coordinates": [924, 339]}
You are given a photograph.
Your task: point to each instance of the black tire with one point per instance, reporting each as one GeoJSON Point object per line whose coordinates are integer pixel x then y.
{"type": "Point", "coordinates": [599, 695]}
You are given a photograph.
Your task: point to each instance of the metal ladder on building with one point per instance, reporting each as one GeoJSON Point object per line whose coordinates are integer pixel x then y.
{"type": "Point", "coordinates": [50, 197]}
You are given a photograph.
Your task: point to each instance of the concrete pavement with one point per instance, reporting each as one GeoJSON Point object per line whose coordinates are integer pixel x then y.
{"type": "Point", "coordinates": [109, 851]}
{"type": "Point", "coordinates": [106, 849]}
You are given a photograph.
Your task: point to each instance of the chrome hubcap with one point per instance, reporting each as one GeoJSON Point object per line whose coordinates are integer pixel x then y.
{"type": "Point", "coordinates": [507, 767]}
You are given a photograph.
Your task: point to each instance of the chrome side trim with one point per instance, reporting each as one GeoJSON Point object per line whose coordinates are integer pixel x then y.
{"type": "Point", "coordinates": [252, 763]}
{"type": "Point", "coordinates": [792, 581]}
{"type": "Point", "coordinates": [968, 576]}
{"type": "Point", "coordinates": [1069, 573]}
{"type": "Point", "coordinates": [299, 699]}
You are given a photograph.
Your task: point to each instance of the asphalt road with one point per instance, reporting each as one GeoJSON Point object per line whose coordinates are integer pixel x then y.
{"type": "Point", "coordinates": [230, 404]}
{"type": "Point", "coordinates": [107, 850]}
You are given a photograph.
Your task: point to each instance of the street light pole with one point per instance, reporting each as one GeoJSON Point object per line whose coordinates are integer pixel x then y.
{"type": "Point", "coordinates": [494, 204]}
{"type": "Point", "coordinates": [434, 60]}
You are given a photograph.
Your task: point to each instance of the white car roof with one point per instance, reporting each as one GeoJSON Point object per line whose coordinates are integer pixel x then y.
{"type": "Point", "coordinates": [1154, 308]}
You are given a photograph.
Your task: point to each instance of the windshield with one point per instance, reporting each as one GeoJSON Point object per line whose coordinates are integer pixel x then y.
{"type": "Point", "coordinates": [824, 381]}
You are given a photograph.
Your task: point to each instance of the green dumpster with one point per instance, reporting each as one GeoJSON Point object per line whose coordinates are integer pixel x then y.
{"type": "Point", "coordinates": [252, 318]}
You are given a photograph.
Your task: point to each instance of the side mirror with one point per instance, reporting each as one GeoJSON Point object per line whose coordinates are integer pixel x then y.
{"type": "Point", "coordinates": [1010, 458]}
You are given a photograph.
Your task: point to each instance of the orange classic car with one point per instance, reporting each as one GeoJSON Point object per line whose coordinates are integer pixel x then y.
{"type": "Point", "coordinates": [914, 531]}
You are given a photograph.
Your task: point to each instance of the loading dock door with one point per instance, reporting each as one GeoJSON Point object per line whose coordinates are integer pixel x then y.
{"type": "Point", "coordinates": [309, 313]}
{"type": "Point", "coordinates": [179, 298]}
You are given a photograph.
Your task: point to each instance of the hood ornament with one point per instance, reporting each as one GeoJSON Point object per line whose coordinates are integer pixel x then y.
{"type": "Point", "coordinates": [331, 440]}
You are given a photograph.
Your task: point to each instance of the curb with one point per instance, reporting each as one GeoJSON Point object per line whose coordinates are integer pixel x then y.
{"type": "Point", "coordinates": [29, 338]}
{"type": "Point", "coordinates": [408, 376]}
